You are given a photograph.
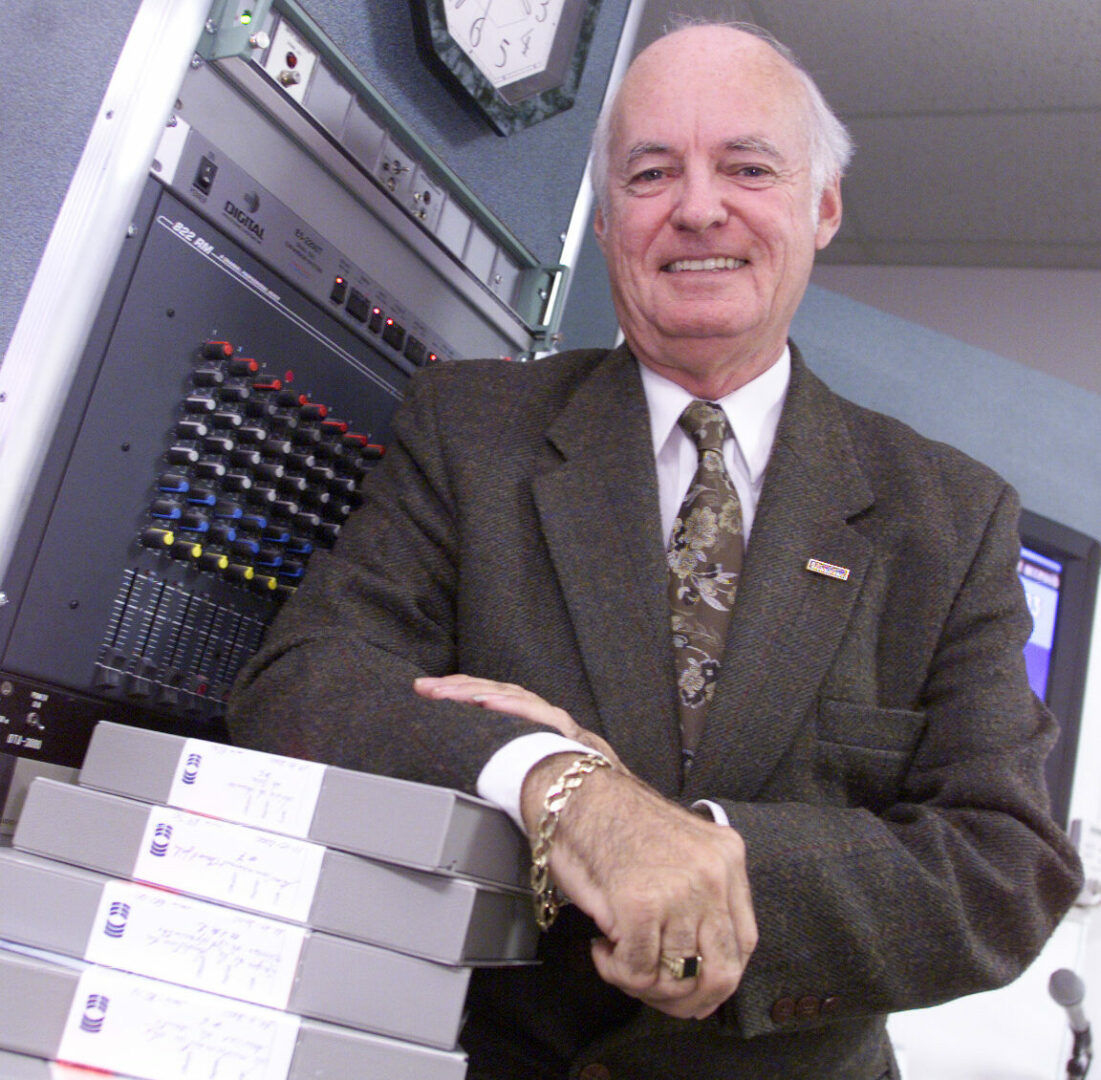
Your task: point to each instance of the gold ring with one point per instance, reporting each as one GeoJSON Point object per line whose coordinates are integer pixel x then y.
{"type": "Point", "coordinates": [682, 967]}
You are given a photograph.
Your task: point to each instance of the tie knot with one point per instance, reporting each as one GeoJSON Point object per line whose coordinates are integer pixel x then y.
{"type": "Point", "coordinates": [705, 424]}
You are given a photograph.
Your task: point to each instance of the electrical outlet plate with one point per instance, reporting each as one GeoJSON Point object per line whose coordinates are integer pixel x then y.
{"type": "Point", "coordinates": [290, 60]}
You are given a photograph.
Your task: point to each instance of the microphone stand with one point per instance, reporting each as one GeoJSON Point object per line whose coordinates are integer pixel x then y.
{"type": "Point", "coordinates": [1078, 1064]}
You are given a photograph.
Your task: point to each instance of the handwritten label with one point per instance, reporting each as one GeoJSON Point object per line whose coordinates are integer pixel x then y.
{"type": "Point", "coordinates": [248, 786]}
{"type": "Point", "coordinates": [229, 863]}
{"type": "Point", "coordinates": [195, 943]}
{"type": "Point", "coordinates": [128, 1024]}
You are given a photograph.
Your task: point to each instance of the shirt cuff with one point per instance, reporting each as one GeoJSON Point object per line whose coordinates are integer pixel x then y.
{"type": "Point", "coordinates": [717, 813]}
{"type": "Point", "coordinates": [503, 775]}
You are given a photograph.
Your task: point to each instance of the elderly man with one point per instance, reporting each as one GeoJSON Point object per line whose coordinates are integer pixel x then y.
{"type": "Point", "coordinates": [777, 818]}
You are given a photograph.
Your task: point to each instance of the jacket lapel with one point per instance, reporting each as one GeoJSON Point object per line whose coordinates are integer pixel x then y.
{"type": "Point", "coordinates": [788, 621]}
{"type": "Point", "coordinates": [598, 507]}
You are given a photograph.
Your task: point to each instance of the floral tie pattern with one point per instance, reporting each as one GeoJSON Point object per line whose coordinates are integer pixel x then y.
{"type": "Point", "coordinates": [705, 560]}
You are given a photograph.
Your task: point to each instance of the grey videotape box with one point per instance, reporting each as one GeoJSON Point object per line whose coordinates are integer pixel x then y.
{"type": "Point", "coordinates": [38, 1017]}
{"type": "Point", "coordinates": [437, 917]}
{"type": "Point", "coordinates": [432, 828]}
{"type": "Point", "coordinates": [196, 943]}
{"type": "Point", "coordinates": [15, 1066]}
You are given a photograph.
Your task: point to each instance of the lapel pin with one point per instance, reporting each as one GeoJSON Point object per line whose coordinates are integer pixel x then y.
{"type": "Point", "coordinates": [817, 566]}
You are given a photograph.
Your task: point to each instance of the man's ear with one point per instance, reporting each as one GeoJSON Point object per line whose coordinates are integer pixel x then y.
{"type": "Point", "coordinates": [829, 213]}
{"type": "Point", "coordinates": [600, 225]}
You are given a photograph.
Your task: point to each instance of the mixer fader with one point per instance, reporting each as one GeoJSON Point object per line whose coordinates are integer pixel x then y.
{"type": "Point", "coordinates": [258, 475]}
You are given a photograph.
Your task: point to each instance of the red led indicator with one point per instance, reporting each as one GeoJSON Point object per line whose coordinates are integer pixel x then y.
{"type": "Point", "coordinates": [288, 376]}
{"type": "Point", "coordinates": [292, 60]}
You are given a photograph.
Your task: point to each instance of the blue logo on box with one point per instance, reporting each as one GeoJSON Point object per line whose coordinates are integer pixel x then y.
{"type": "Point", "coordinates": [162, 835]}
{"type": "Point", "coordinates": [95, 1010]}
{"type": "Point", "coordinates": [117, 915]}
{"type": "Point", "coordinates": [191, 768]}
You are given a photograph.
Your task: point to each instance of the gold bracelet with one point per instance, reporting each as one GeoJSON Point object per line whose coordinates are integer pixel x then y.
{"type": "Point", "coordinates": [547, 898]}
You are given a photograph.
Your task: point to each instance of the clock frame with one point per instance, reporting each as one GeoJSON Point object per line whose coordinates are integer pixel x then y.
{"type": "Point", "coordinates": [529, 99]}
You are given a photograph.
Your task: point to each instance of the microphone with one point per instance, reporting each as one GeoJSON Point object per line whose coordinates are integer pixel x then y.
{"type": "Point", "coordinates": [1069, 991]}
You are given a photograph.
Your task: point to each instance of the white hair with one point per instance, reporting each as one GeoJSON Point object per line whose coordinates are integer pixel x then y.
{"type": "Point", "coordinates": [831, 146]}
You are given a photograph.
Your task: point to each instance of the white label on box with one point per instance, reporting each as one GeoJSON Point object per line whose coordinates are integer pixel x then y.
{"type": "Point", "coordinates": [264, 790]}
{"type": "Point", "coordinates": [233, 864]}
{"type": "Point", "coordinates": [195, 943]}
{"type": "Point", "coordinates": [124, 1023]}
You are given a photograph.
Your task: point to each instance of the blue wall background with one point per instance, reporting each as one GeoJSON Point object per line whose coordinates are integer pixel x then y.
{"type": "Point", "coordinates": [1041, 433]}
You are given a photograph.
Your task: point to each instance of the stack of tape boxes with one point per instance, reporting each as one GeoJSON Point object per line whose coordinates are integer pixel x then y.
{"type": "Point", "coordinates": [196, 910]}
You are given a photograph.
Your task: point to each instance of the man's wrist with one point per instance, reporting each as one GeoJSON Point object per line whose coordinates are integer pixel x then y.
{"type": "Point", "coordinates": [547, 897]}
{"type": "Point", "coordinates": [533, 792]}
{"type": "Point", "coordinates": [502, 777]}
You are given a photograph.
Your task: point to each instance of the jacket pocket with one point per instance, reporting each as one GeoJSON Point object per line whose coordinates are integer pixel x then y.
{"type": "Point", "coordinates": [863, 751]}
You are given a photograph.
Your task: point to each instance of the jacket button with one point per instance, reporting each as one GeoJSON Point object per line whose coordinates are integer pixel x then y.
{"type": "Point", "coordinates": [783, 1010]}
{"type": "Point", "coordinates": [831, 1006]}
{"type": "Point", "coordinates": [595, 1071]}
{"type": "Point", "coordinates": [807, 1008]}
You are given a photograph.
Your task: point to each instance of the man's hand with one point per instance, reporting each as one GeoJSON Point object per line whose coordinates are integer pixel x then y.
{"type": "Point", "coordinates": [516, 701]}
{"type": "Point", "coordinates": [657, 879]}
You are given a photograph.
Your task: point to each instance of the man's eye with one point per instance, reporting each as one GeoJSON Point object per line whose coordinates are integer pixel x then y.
{"type": "Point", "coordinates": [754, 172]}
{"type": "Point", "coordinates": [648, 175]}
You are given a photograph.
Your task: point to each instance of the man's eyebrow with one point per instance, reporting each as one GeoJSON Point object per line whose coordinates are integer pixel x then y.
{"type": "Point", "coordinates": [754, 145]}
{"type": "Point", "coordinates": [640, 150]}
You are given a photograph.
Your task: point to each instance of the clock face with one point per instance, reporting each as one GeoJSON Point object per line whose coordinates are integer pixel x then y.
{"type": "Point", "coordinates": [519, 60]}
{"type": "Point", "coordinates": [507, 40]}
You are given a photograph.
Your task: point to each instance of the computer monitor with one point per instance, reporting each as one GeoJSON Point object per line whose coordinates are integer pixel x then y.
{"type": "Point", "coordinates": [1058, 568]}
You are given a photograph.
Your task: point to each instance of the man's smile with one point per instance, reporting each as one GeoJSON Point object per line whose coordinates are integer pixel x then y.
{"type": "Point", "coordinates": [721, 262]}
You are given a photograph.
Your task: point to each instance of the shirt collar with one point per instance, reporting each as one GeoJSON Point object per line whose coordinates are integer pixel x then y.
{"type": "Point", "coordinates": [753, 410]}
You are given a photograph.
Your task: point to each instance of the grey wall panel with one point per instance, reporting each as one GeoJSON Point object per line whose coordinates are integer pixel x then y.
{"type": "Point", "coordinates": [57, 62]}
{"type": "Point", "coordinates": [1039, 432]}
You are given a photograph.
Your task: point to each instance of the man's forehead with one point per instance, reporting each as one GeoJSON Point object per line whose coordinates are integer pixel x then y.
{"type": "Point", "coordinates": [724, 87]}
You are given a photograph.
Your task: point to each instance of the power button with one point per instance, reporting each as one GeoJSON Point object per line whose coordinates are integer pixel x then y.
{"type": "Point", "coordinates": [204, 178]}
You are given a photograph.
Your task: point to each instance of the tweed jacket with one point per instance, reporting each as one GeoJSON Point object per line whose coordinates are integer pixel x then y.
{"type": "Point", "coordinates": [872, 735]}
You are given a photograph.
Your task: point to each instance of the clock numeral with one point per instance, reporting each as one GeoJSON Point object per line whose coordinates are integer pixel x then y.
{"type": "Point", "coordinates": [542, 14]}
{"type": "Point", "coordinates": [526, 42]}
{"type": "Point", "coordinates": [504, 52]}
{"type": "Point", "coordinates": [476, 30]}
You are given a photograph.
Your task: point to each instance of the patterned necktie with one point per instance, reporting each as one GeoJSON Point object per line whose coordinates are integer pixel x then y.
{"type": "Point", "coordinates": [705, 559]}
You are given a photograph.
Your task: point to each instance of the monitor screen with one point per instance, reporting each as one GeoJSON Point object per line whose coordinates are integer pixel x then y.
{"type": "Point", "coordinates": [1041, 578]}
{"type": "Point", "coordinates": [1058, 568]}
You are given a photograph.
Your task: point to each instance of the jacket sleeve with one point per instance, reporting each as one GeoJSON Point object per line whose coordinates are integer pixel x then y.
{"type": "Point", "coordinates": [953, 883]}
{"type": "Point", "coordinates": [333, 679]}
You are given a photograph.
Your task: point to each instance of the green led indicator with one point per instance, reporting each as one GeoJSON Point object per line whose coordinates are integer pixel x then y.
{"type": "Point", "coordinates": [246, 18]}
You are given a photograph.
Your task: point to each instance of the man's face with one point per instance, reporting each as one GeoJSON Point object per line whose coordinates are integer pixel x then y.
{"type": "Point", "coordinates": [710, 230]}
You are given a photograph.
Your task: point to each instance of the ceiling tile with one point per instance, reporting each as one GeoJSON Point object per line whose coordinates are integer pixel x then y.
{"type": "Point", "coordinates": [878, 56]}
{"type": "Point", "coordinates": [1035, 179]}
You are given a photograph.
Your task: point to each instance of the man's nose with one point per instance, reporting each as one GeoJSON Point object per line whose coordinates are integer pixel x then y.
{"type": "Point", "coordinates": [700, 202]}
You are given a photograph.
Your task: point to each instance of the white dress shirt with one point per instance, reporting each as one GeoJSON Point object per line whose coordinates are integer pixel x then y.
{"type": "Point", "coordinates": [753, 411]}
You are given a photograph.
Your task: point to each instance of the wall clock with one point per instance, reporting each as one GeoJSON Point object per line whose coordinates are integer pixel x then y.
{"type": "Point", "coordinates": [520, 61]}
